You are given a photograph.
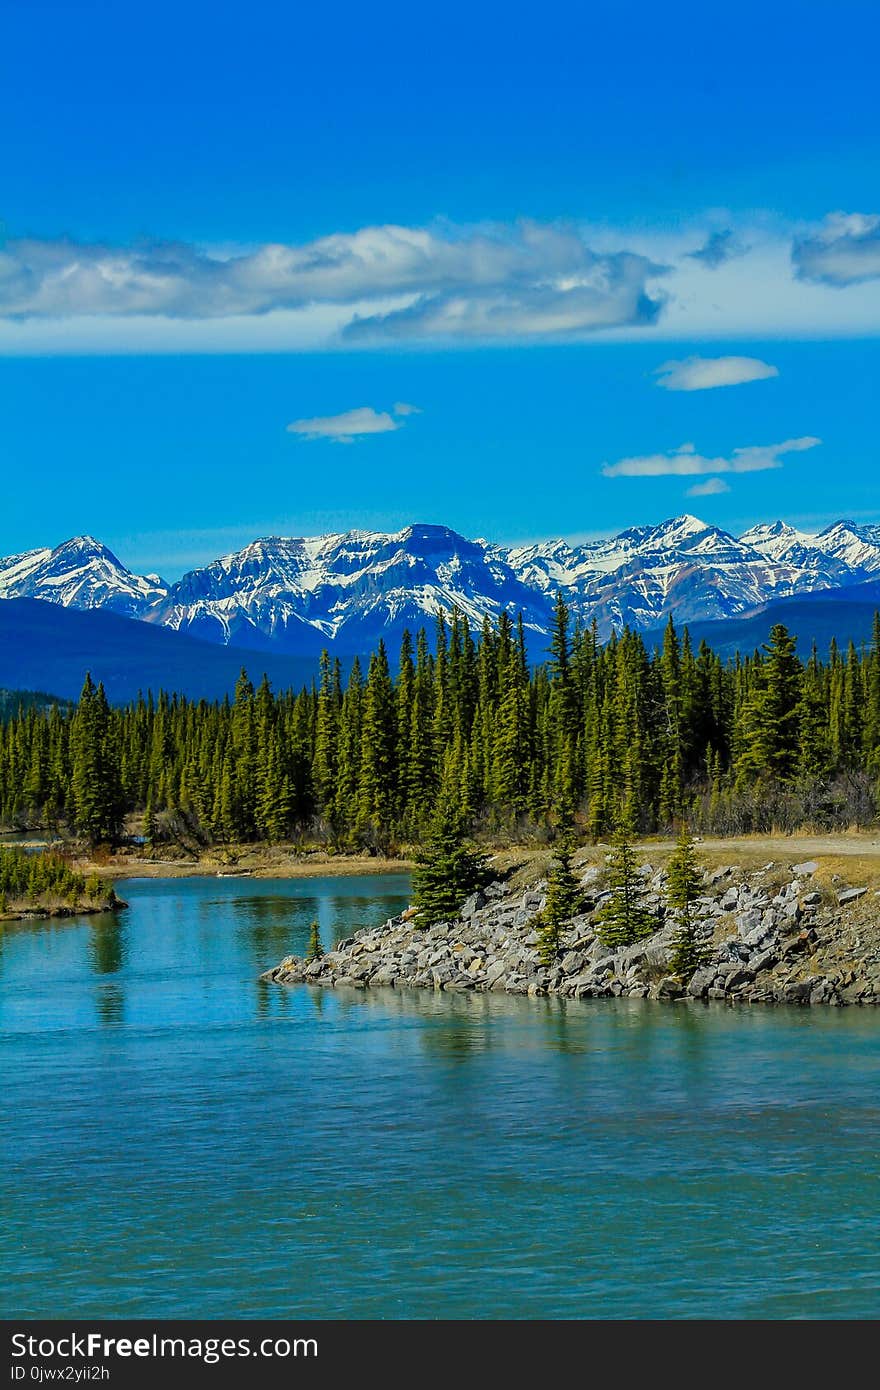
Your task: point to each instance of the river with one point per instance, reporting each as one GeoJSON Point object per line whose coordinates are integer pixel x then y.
{"type": "Point", "coordinates": [180, 1140]}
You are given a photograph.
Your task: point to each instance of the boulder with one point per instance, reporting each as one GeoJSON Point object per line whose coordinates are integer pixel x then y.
{"type": "Point", "coordinates": [797, 991]}
{"type": "Point", "coordinates": [747, 922]}
{"type": "Point", "coordinates": [496, 971]}
{"type": "Point", "coordinates": [700, 982]}
{"type": "Point", "coordinates": [472, 905]}
{"type": "Point", "coordinates": [849, 895]}
{"type": "Point", "coordinates": [765, 961]}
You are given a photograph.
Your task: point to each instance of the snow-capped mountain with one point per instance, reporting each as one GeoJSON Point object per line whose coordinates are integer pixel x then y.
{"type": "Point", "coordinates": [840, 551]}
{"type": "Point", "coordinates": [682, 566]}
{"type": "Point", "coordinates": [81, 573]}
{"type": "Point", "coordinates": [345, 591]}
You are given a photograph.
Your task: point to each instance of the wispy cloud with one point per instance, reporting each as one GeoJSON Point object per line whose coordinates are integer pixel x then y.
{"type": "Point", "coordinates": [597, 292]}
{"type": "Point", "coordinates": [705, 373]}
{"type": "Point", "coordinates": [350, 425]}
{"type": "Point", "coordinates": [846, 251]}
{"type": "Point", "coordinates": [685, 461]}
{"type": "Point", "coordinates": [403, 408]}
{"type": "Point", "coordinates": [710, 488]}
{"type": "Point", "coordinates": [718, 249]}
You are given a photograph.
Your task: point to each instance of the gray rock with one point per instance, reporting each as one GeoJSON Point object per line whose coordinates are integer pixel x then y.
{"type": "Point", "coordinates": [472, 905]}
{"type": "Point", "coordinates": [700, 982]}
{"type": "Point", "coordinates": [718, 874]}
{"type": "Point", "coordinates": [385, 976]}
{"type": "Point", "coordinates": [797, 991]}
{"type": "Point", "coordinates": [741, 976]}
{"type": "Point", "coordinates": [496, 971]}
{"type": "Point", "coordinates": [759, 934]}
{"type": "Point", "coordinates": [849, 895]}
{"type": "Point", "coordinates": [805, 870]}
{"type": "Point", "coordinates": [572, 962]}
{"type": "Point", "coordinates": [748, 921]}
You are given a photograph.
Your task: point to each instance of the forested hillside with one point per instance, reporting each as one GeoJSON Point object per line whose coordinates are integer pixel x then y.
{"type": "Point", "coordinates": [614, 731]}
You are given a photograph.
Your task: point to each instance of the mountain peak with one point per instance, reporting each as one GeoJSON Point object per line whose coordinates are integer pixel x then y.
{"type": "Point", "coordinates": [769, 528]}
{"type": "Point", "coordinates": [349, 589]}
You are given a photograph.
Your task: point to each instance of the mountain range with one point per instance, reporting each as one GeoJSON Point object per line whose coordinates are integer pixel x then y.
{"type": "Point", "coordinates": [300, 594]}
{"type": "Point", "coordinates": [290, 597]}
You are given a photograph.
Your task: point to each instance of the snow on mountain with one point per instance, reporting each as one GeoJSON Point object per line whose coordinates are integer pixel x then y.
{"type": "Point", "coordinates": [348, 590]}
{"type": "Point", "coordinates": [841, 554]}
{"type": "Point", "coordinates": [80, 573]}
{"type": "Point", "coordinates": [681, 566]}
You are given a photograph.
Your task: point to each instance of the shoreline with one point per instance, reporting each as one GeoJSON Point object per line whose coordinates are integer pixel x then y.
{"type": "Point", "coordinates": [313, 866]}
{"type": "Point", "coordinates": [783, 934]}
{"type": "Point", "coordinates": [285, 861]}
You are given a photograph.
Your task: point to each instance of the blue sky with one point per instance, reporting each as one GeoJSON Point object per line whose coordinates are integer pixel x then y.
{"type": "Point", "coordinates": [220, 222]}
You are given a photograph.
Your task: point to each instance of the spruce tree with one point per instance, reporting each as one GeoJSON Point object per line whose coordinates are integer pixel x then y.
{"type": "Point", "coordinates": [447, 871]}
{"type": "Point", "coordinates": [564, 896]}
{"type": "Point", "coordinates": [315, 948]}
{"type": "Point", "coordinates": [684, 885]}
{"type": "Point", "coordinates": [624, 919]}
{"type": "Point", "coordinates": [96, 789]}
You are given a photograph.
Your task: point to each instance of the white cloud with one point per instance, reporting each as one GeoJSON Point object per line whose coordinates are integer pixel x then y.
{"type": "Point", "coordinates": [705, 373]}
{"type": "Point", "coordinates": [845, 251]}
{"type": "Point", "coordinates": [403, 408]}
{"type": "Point", "coordinates": [524, 282]}
{"type": "Point", "coordinates": [596, 293]}
{"type": "Point", "coordinates": [710, 488]}
{"type": "Point", "coordinates": [685, 461]}
{"type": "Point", "coordinates": [347, 427]}
{"type": "Point", "coordinates": [527, 278]}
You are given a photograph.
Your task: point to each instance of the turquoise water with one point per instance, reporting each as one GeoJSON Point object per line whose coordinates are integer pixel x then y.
{"type": "Point", "coordinates": [181, 1140]}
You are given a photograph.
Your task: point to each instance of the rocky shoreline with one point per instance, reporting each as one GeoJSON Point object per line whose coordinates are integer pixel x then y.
{"type": "Point", "coordinates": [777, 935]}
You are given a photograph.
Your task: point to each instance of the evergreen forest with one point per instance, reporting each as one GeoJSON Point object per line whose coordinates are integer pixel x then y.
{"type": "Point", "coordinates": [616, 734]}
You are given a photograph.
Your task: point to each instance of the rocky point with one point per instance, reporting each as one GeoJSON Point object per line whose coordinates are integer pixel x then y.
{"type": "Point", "coordinates": [774, 935]}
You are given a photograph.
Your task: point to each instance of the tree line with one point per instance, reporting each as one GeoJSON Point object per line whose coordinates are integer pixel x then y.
{"type": "Point", "coordinates": [617, 734]}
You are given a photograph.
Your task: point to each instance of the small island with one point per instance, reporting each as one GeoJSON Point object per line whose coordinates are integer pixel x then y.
{"type": "Point", "coordinates": [45, 885]}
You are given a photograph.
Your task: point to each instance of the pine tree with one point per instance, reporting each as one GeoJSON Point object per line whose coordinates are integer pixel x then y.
{"type": "Point", "coordinates": [564, 896]}
{"type": "Point", "coordinates": [624, 919]}
{"type": "Point", "coordinates": [95, 781]}
{"type": "Point", "coordinates": [683, 887]}
{"type": "Point", "coordinates": [149, 821]}
{"type": "Point", "coordinates": [447, 871]}
{"type": "Point", "coordinates": [377, 782]}
{"type": "Point", "coordinates": [315, 948]}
